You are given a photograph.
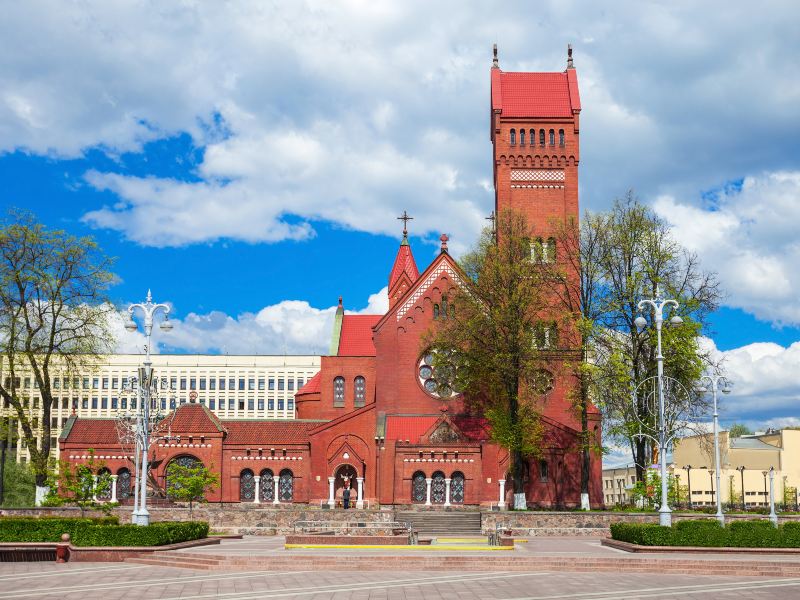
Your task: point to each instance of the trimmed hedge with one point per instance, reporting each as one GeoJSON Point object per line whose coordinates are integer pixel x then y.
{"type": "Point", "coordinates": [709, 533]}
{"type": "Point", "coordinates": [99, 532]}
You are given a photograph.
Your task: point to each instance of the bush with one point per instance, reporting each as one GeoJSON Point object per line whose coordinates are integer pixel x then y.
{"type": "Point", "coordinates": [709, 533]}
{"type": "Point", "coordinates": [99, 532]}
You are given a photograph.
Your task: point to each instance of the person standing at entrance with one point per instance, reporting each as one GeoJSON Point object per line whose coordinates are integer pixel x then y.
{"type": "Point", "coordinates": [346, 497]}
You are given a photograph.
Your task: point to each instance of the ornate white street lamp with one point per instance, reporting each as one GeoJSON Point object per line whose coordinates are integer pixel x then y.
{"type": "Point", "coordinates": [714, 383]}
{"type": "Point", "coordinates": [140, 515]}
{"type": "Point", "coordinates": [658, 304]}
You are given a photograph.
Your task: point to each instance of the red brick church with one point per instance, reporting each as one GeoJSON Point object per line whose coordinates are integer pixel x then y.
{"type": "Point", "coordinates": [373, 418]}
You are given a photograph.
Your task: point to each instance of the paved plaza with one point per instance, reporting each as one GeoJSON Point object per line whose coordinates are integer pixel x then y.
{"type": "Point", "coordinates": [112, 581]}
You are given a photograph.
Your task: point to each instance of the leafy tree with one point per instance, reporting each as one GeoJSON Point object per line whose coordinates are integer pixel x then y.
{"type": "Point", "coordinates": [18, 484]}
{"type": "Point", "coordinates": [639, 258]}
{"type": "Point", "coordinates": [53, 321]}
{"type": "Point", "coordinates": [82, 484]}
{"type": "Point", "coordinates": [738, 430]}
{"type": "Point", "coordinates": [190, 482]}
{"type": "Point", "coordinates": [575, 283]}
{"type": "Point", "coordinates": [486, 347]}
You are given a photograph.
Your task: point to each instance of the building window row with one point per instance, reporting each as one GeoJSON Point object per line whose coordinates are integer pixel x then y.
{"type": "Point", "coordinates": [359, 391]}
{"type": "Point", "coordinates": [544, 137]}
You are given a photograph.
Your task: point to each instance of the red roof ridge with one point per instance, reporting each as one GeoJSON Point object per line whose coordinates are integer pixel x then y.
{"type": "Point", "coordinates": [354, 413]}
{"type": "Point", "coordinates": [356, 335]}
{"type": "Point", "coordinates": [312, 386]}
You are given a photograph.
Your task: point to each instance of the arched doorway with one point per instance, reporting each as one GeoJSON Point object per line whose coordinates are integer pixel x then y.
{"type": "Point", "coordinates": [345, 476]}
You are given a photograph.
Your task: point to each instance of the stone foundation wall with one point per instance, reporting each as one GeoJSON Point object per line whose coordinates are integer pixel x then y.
{"type": "Point", "coordinates": [251, 520]}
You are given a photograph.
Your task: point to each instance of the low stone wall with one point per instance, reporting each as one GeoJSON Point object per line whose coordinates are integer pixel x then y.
{"type": "Point", "coordinates": [244, 519]}
{"type": "Point", "coordinates": [253, 520]}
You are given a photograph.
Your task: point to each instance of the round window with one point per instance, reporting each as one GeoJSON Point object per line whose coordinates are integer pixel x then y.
{"type": "Point", "coordinates": [543, 381]}
{"type": "Point", "coordinates": [435, 381]}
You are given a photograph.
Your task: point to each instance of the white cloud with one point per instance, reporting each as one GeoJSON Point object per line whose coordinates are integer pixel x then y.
{"type": "Point", "coordinates": [351, 112]}
{"type": "Point", "coordinates": [749, 237]}
{"type": "Point", "coordinates": [765, 384]}
{"type": "Point", "coordinates": [288, 327]}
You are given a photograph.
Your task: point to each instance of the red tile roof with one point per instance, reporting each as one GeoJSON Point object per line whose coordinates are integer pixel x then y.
{"type": "Point", "coordinates": [194, 418]}
{"type": "Point", "coordinates": [412, 427]}
{"type": "Point", "coordinates": [312, 386]}
{"type": "Point", "coordinates": [408, 428]}
{"type": "Point", "coordinates": [356, 337]}
{"type": "Point", "coordinates": [403, 263]}
{"type": "Point", "coordinates": [535, 94]}
{"type": "Point", "coordinates": [93, 432]}
{"type": "Point", "coordinates": [268, 433]}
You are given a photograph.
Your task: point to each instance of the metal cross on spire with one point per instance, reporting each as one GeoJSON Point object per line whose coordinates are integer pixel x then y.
{"type": "Point", "coordinates": [405, 219]}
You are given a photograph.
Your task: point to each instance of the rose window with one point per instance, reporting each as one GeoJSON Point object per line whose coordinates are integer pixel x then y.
{"type": "Point", "coordinates": [437, 381]}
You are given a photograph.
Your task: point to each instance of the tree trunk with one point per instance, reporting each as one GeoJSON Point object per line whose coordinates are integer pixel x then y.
{"type": "Point", "coordinates": [517, 475]}
{"type": "Point", "coordinates": [585, 466]}
{"type": "Point", "coordinates": [41, 488]}
{"type": "Point", "coordinates": [2, 469]}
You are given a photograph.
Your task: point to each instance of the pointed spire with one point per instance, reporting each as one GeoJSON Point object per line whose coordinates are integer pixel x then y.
{"type": "Point", "coordinates": [570, 64]}
{"type": "Point", "coordinates": [495, 62]}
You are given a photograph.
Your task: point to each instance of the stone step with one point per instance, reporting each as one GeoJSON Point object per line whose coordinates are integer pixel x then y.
{"type": "Point", "coordinates": [485, 563]}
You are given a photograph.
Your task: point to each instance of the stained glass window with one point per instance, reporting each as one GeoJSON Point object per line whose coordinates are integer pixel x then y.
{"type": "Point", "coordinates": [247, 486]}
{"type": "Point", "coordinates": [437, 488]}
{"type": "Point", "coordinates": [360, 386]}
{"type": "Point", "coordinates": [285, 486]}
{"type": "Point", "coordinates": [123, 484]}
{"type": "Point", "coordinates": [457, 488]}
{"type": "Point", "coordinates": [338, 391]}
{"type": "Point", "coordinates": [267, 486]}
{"type": "Point", "coordinates": [419, 488]}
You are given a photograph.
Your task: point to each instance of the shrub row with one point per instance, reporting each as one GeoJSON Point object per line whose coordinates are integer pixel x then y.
{"type": "Point", "coordinates": [99, 532]}
{"type": "Point", "coordinates": [709, 533]}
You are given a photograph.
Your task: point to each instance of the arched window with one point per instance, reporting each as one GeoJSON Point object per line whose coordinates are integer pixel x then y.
{"type": "Point", "coordinates": [532, 137]}
{"type": "Point", "coordinates": [541, 137]}
{"type": "Point", "coordinates": [457, 488]}
{"type": "Point", "coordinates": [438, 488]}
{"type": "Point", "coordinates": [551, 250]}
{"type": "Point", "coordinates": [338, 392]}
{"type": "Point", "coordinates": [247, 486]}
{"type": "Point", "coordinates": [104, 494]}
{"type": "Point", "coordinates": [521, 137]}
{"type": "Point", "coordinates": [435, 311]}
{"type": "Point", "coordinates": [266, 486]}
{"type": "Point", "coordinates": [443, 314]}
{"type": "Point", "coordinates": [552, 137]}
{"type": "Point", "coordinates": [123, 484]}
{"type": "Point", "coordinates": [513, 136]}
{"type": "Point", "coordinates": [543, 470]}
{"type": "Point", "coordinates": [419, 488]}
{"type": "Point", "coordinates": [561, 137]}
{"type": "Point", "coordinates": [360, 391]}
{"type": "Point", "coordinates": [286, 486]}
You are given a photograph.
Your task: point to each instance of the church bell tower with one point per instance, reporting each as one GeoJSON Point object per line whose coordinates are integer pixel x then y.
{"type": "Point", "coordinates": [535, 130]}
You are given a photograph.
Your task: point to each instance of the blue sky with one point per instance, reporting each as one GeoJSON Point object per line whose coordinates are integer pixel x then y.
{"type": "Point", "coordinates": [248, 162]}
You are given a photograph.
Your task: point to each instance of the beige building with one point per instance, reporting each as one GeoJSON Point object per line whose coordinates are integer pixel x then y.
{"type": "Point", "coordinates": [745, 462]}
{"type": "Point", "coordinates": [233, 387]}
{"type": "Point", "coordinates": [617, 484]}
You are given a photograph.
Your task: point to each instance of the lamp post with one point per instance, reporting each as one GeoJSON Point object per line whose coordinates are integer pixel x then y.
{"type": "Point", "coordinates": [772, 515]}
{"type": "Point", "coordinates": [711, 480]}
{"type": "Point", "coordinates": [658, 304]}
{"type": "Point", "coordinates": [765, 473]}
{"type": "Point", "coordinates": [741, 472]}
{"type": "Point", "coordinates": [714, 383]}
{"type": "Point", "coordinates": [688, 469]}
{"type": "Point", "coordinates": [148, 309]}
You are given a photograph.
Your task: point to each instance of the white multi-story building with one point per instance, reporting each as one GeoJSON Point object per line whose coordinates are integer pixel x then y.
{"type": "Point", "coordinates": [233, 387]}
